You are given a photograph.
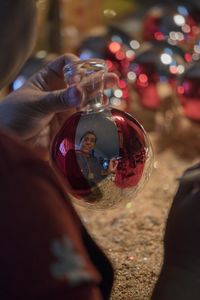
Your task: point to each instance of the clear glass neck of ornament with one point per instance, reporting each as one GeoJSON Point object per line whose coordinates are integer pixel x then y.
{"type": "Point", "coordinates": [88, 75]}
{"type": "Point", "coordinates": [103, 153]}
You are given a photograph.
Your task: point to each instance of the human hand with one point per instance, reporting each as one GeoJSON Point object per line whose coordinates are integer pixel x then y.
{"type": "Point", "coordinates": [30, 111]}
{"type": "Point", "coordinates": [112, 167]}
{"type": "Point", "coordinates": [179, 277]}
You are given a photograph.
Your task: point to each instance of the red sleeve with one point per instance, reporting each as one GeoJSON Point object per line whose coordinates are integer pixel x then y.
{"type": "Point", "coordinates": [42, 255]}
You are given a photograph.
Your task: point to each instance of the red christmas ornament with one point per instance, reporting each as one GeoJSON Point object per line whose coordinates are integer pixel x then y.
{"type": "Point", "coordinates": [103, 153]}
{"type": "Point", "coordinates": [156, 63]}
{"type": "Point", "coordinates": [177, 24]}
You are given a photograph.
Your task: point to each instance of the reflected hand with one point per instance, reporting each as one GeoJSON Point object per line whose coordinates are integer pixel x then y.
{"type": "Point", "coordinates": [112, 167]}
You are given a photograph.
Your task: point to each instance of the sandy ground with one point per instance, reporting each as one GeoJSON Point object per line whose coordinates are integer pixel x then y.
{"type": "Point", "coordinates": [132, 237]}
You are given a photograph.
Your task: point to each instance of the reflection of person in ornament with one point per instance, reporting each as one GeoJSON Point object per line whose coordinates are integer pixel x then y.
{"type": "Point", "coordinates": [52, 257]}
{"type": "Point", "coordinates": [82, 168]}
{"type": "Point", "coordinates": [88, 162]}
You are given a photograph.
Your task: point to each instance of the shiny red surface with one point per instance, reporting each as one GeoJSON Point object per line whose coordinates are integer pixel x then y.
{"type": "Point", "coordinates": [132, 152]}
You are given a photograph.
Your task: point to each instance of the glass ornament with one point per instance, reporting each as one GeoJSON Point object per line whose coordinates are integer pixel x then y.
{"type": "Point", "coordinates": [103, 153]}
{"type": "Point", "coordinates": [188, 92]}
{"type": "Point", "coordinates": [154, 72]}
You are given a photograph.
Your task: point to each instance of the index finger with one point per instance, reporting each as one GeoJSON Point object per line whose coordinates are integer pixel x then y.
{"type": "Point", "coordinates": [58, 64]}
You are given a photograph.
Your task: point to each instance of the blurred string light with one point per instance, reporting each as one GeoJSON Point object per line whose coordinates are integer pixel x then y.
{"type": "Point", "coordinates": [134, 44]}
{"type": "Point", "coordinates": [188, 91]}
{"type": "Point", "coordinates": [195, 56]}
{"type": "Point", "coordinates": [155, 63]}
{"type": "Point", "coordinates": [114, 47]}
{"type": "Point", "coordinates": [166, 58]}
{"type": "Point", "coordinates": [109, 13]}
{"type": "Point", "coordinates": [18, 82]}
{"type": "Point", "coordinates": [197, 48]}
{"type": "Point", "coordinates": [182, 10]}
{"type": "Point", "coordinates": [112, 8]}
{"type": "Point", "coordinates": [177, 24]}
{"type": "Point", "coordinates": [179, 20]}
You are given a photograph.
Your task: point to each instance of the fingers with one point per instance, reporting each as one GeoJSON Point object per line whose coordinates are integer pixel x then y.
{"type": "Point", "coordinates": [75, 96]}
{"type": "Point", "coordinates": [58, 98]}
{"type": "Point", "coordinates": [51, 77]}
{"type": "Point", "coordinates": [58, 64]}
{"type": "Point", "coordinates": [94, 86]}
{"type": "Point", "coordinates": [71, 97]}
{"type": "Point", "coordinates": [59, 101]}
{"type": "Point", "coordinates": [113, 165]}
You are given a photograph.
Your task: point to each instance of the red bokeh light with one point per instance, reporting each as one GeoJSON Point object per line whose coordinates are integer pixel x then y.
{"type": "Point", "coordinates": [143, 78]}
{"type": "Point", "coordinates": [180, 90]}
{"type": "Point", "coordinates": [159, 36]}
{"type": "Point", "coordinates": [188, 57]}
{"type": "Point", "coordinates": [114, 47]}
{"type": "Point", "coordinates": [173, 69]}
{"type": "Point", "coordinates": [120, 55]}
{"type": "Point", "coordinates": [122, 84]}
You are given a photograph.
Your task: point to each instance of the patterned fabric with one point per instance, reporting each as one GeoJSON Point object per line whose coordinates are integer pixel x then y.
{"type": "Point", "coordinates": [69, 264]}
{"type": "Point", "coordinates": [45, 253]}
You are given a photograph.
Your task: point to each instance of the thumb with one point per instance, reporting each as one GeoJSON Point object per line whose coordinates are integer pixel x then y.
{"type": "Point", "coordinates": [58, 101]}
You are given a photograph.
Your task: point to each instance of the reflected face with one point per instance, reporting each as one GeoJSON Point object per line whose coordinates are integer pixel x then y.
{"type": "Point", "coordinates": [88, 143]}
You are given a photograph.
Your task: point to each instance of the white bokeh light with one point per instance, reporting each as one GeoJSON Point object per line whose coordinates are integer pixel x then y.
{"type": "Point", "coordinates": [166, 59]}
{"type": "Point", "coordinates": [118, 93]}
{"type": "Point", "coordinates": [179, 20]}
{"type": "Point", "coordinates": [131, 76]}
{"type": "Point", "coordinates": [134, 44]}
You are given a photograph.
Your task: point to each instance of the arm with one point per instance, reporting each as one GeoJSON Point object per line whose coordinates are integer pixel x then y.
{"type": "Point", "coordinates": [30, 110]}
{"type": "Point", "coordinates": [42, 251]}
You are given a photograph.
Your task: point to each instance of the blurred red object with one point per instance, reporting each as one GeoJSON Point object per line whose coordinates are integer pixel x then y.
{"type": "Point", "coordinates": [188, 92]}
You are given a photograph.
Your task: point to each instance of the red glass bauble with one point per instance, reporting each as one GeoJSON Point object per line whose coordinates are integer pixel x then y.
{"type": "Point", "coordinates": [104, 157]}
{"type": "Point", "coordinates": [177, 24]}
{"type": "Point", "coordinates": [155, 64]}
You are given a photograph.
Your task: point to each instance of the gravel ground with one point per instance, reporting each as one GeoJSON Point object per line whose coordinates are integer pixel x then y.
{"type": "Point", "coordinates": [132, 237]}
